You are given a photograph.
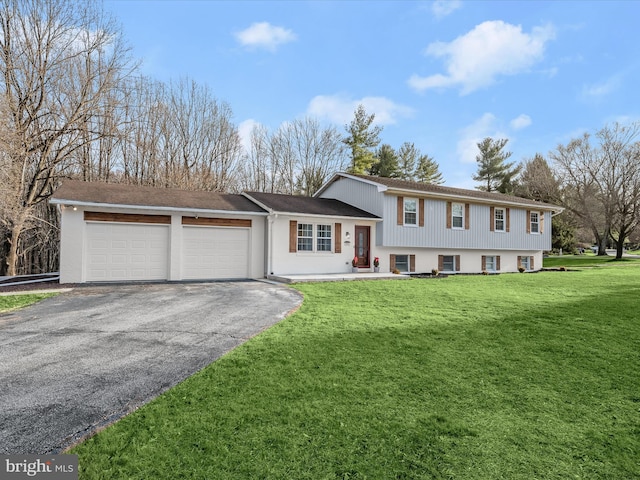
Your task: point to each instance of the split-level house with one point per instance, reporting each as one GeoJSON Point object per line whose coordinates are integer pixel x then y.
{"type": "Point", "coordinates": [113, 232]}
{"type": "Point", "coordinates": [426, 227]}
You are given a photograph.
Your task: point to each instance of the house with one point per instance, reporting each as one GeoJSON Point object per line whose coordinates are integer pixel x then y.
{"type": "Point", "coordinates": [453, 230]}
{"type": "Point", "coordinates": [113, 232]}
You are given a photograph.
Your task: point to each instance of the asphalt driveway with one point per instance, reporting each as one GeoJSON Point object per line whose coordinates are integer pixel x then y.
{"type": "Point", "coordinates": [74, 363]}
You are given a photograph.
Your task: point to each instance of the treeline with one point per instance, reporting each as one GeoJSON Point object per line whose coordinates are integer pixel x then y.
{"type": "Point", "coordinates": [73, 105]}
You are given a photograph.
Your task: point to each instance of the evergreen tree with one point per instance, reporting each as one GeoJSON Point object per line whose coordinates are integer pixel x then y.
{"type": "Point", "coordinates": [494, 174]}
{"type": "Point", "coordinates": [428, 171]}
{"type": "Point", "coordinates": [407, 158]}
{"type": "Point", "coordinates": [362, 138]}
{"type": "Point", "coordinates": [386, 164]}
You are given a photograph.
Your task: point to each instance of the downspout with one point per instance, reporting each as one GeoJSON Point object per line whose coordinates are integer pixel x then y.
{"type": "Point", "coordinates": [270, 219]}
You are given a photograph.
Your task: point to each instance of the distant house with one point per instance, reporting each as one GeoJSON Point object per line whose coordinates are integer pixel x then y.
{"type": "Point", "coordinates": [113, 232]}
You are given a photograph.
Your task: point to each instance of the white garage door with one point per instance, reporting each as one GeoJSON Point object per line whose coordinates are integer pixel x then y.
{"type": "Point", "coordinates": [215, 253]}
{"type": "Point", "coordinates": [126, 251]}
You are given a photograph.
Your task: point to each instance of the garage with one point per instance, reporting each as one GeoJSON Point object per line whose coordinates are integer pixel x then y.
{"type": "Point", "coordinates": [123, 247]}
{"type": "Point", "coordinates": [120, 233]}
{"type": "Point", "coordinates": [221, 251]}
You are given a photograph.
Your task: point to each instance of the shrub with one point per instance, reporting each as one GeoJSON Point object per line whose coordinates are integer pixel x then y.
{"type": "Point", "coordinates": [435, 272]}
{"type": "Point", "coordinates": [522, 269]}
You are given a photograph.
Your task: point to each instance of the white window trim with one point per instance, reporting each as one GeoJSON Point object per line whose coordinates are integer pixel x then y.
{"type": "Point", "coordinates": [314, 238]}
{"type": "Point", "coordinates": [408, 270]}
{"type": "Point", "coordinates": [504, 220]}
{"type": "Point", "coordinates": [531, 223]}
{"type": "Point", "coordinates": [404, 212]}
{"type": "Point", "coordinates": [453, 263]}
{"type": "Point", "coordinates": [453, 204]}
{"type": "Point", "coordinates": [495, 258]}
{"type": "Point", "coordinates": [525, 259]}
{"type": "Point", "coordinates": [329, 238]}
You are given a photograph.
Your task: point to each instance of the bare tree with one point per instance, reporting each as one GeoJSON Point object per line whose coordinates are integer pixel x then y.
{"type": "Point", "coordinates": [59, 59]}
{"type": "Point", "coordinates": [297, 159]}
{"type": "Point", "coordinates": [602, 182]}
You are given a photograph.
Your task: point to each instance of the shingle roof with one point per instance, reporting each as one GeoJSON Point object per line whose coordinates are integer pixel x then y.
{"type": "Point", "coordinates": [79, 192]}
{"type": "Point", "coordinates": [308, 205]}
{"type": "Point", "coordinates": [397, 184]}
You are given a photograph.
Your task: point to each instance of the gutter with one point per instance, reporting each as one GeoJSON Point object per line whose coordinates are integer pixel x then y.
{"type": "Point", "coordinates": [73, 203]}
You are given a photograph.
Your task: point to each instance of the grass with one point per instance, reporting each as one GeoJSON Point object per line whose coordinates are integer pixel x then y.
{"type": "Point", "coordinates": [572, 261]}
{"type": "Point", "coordinates": [13, 302]}
{"type": "Point", "coordinates": [515, 376]}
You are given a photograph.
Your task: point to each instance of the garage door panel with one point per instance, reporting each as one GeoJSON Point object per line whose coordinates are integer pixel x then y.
{"type": "Point", "coordinates": [126, 252]}
{"type": "Point", "coordinates": [215, 252]}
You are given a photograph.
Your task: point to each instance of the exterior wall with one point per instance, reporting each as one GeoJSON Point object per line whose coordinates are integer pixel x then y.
{"type": "Point", "coordinates": [283, 262]}
{"type": "Point", "coordinates": [435, 233]}
{"type": "Point", "coordinates": [426, 259]}
{"type": "Point", "coordinates": [73, 244]}
{"type": "Point", "coordinates": [359, 194]}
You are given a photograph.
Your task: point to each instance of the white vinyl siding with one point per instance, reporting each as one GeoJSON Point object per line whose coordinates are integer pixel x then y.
{"type": "Point", "coordinates": [478, 236]}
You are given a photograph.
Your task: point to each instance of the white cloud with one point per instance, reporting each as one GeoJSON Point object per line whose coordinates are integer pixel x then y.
{"type": "Point", "coordinates": [264, 35]}
{"type": "Point", "coordinates": [339, 109]}
{"type": "Point", "coordinates": [602, 89]}
{"type": "Point", "coordinates": [485, 126]}
{"type": "Point", "coordinates": [244, 131]}
{"type": "Point", "coordinates": [476, 59]}
{"type": "Point", "coordinates": [442, 8]}
{"type": "Point", "coordinates": [520, 122]}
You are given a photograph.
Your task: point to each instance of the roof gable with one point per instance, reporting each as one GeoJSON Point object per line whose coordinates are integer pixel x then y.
{"type": "Point", "coordinates": [114, 194]}
{"type": "Point", "coordinates": [298, 204]}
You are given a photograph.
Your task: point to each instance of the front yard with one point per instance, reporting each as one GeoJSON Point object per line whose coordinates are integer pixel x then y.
{"type": "Point", "coordinates": [510, 376]}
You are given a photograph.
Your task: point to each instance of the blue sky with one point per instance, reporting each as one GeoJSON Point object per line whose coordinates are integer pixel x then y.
{"type": "Point", "coordinates": [440, 74]}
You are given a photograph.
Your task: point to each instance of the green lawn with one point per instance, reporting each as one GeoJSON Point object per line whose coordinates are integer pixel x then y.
{"type": "Point", "coordinates": [514, 376]}
{"type": "Point", "coordinates": [588, 260]}
{"type": "Point", "coordinates": [12, 302]}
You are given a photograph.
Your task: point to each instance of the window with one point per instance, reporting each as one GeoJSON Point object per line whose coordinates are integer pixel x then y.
{"type": "Point", "coordinates": [323, 238]}
{"type": "Point", "coordinates": [402, 263]}
{"type": "Point", "coordinates": [499, 218]}
{"type": "Point", "coordinates": [457, 215]}
{"type": "Point", "coordinates": [305, 237]}
{"type": "Point", "coordinates": [490, 263]}
{"type": "Point", "coordinates": [525, 263]}
{"type": "Point", "coordinates": [448, 263]}
{"type": "Point", "coordinates": [534, 218]}
{"type": "Point", "coordinates": [410, 211]}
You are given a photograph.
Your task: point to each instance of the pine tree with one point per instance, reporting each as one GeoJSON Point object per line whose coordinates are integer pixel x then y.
{"type": "Point", "coordinates": [407, 158]}
{"type": "Point", "coordinates": [386, 164]}
{"type": "Point", "coordinates": [494, 174]}
{"type": "Point", "coordinates": [428, 171]}
{"type": "Point", "coordinates": [362, 138]}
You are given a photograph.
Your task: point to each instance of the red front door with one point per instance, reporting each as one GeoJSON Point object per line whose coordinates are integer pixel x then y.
{"type": "Point", "coordinates": [362, 246]}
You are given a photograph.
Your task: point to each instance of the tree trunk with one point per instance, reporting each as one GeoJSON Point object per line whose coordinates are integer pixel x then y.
{"type": "Point", "coordinates": [14, 240]}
